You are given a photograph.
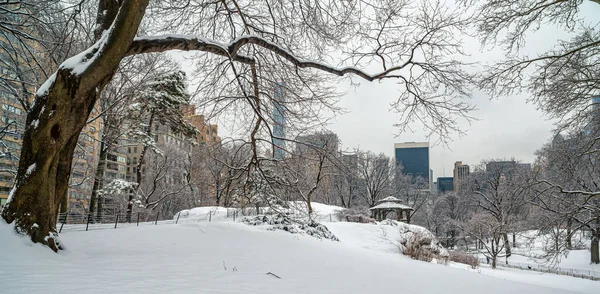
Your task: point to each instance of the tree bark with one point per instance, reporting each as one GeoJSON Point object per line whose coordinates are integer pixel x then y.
{"type": "Point", "coordinates": [60, 113]}
{"type": "Point", "coordinates": [64, 208]}
{"type": "Point", "coordinates": [98, 180]}
{"type": "Point", "coordinates": [506, 244]}
{"type": "Point", "coordinates": [569, 233]}
{"type": "Point", "coordinates": [594, 248]}
{"type": "Point", "coordinates": [138, 173]}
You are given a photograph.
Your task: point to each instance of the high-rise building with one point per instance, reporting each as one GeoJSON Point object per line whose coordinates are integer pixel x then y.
{"type": "Point", "coordinates": [592, 127]}
{"type": "Point", "coordinates": [506, 169]}
{"type": "Point", "coordinates": [83, 168]}
{"type": "Point", "coordinates": [207, 133]}
{"type": "Point", "coordinates": [308, 144]}
{"type": "Point", "coordinates": [445, 184]}
{"type": "Point", "coordinates": [279, 122]}
{"type": "Point", "coordinates": [461, 175]}
{"type": "Point", "coordinates": [414, 158]}
{"type": "Point", "coordinates": [13, 76]}
{"type": "Point", "coordinates": [12, 123]}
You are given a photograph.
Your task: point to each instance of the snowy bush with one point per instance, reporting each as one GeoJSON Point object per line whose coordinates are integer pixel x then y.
{"type": "Point", "coordinates": [418, 242]}
{"type": "Point", "coordinates": [464, 258]}
{"type": "Point", "coordinates": [294, 226]}
{"type": "Point", "coordinates": [354, 215]}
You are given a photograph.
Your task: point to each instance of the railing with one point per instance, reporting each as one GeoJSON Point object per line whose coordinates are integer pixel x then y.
{"type": "Point", "coordinates": [574, 272]}
{"type": "Point", "coordinates": [82, 222]}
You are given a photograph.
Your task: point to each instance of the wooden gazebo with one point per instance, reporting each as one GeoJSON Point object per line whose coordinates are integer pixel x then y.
{"type": "Point", "coordinates": [391, 204]}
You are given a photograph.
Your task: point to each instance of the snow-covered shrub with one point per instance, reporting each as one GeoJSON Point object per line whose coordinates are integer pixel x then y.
{"type": "Point", "coordinates": [464, 258]}
{"type": "Point", "coordinates": [354, 215]}
{"type": "Point", "coordinates": [294, 226]}
{"type": "Point", "coordinates": [418, 242]}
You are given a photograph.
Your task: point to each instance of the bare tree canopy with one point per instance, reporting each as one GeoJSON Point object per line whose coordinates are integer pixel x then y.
{"type": "Point", "coordinates": [561, 80]}
{"type": "Point", "coordinates": [245, 48]}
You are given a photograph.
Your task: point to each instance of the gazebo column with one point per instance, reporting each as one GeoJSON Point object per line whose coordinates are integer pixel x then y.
{"type": "Point", "coordinates": [398, 214]}
{"type": "Point", "coordinates": [408, 216]}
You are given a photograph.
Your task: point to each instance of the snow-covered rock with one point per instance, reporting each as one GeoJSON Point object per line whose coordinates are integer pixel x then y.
{"type": "Point", "coordinates": [418, 242]}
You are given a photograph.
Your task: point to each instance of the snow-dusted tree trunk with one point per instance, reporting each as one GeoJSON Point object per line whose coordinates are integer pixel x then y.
{"type": "Point", "coordinates": [62, 106]}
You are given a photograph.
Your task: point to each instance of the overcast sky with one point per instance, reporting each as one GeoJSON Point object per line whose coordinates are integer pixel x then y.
{"type": "Point", "coordinates": [507, 126]}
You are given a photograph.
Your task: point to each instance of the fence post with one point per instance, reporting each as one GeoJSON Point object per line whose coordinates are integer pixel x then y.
{"type": "Point", "coordinates": [116, 220]}
{"type": "Point", "coordinates": [330, 218]}
{"type": "Point", "coordinates": [178, 217]}
{"type": "Point", "coordinates": [63, 223]}
{"type": "Point", "coordinates": [209, 216]}
{"type": "Point", "coordinates": [234, 213]}
{"type": "Point", "coordinates": [138, 219]}
{"type": "Point", "coordinates": [87, 223]}
{"type": "Point", "coordinates": [156, 220]}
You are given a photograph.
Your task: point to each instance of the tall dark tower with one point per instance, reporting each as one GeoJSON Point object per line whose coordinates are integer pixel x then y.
{"type": "Point", "coordinates": [414, 158]}
{"type": "Point", "coordinates": [279, 118]}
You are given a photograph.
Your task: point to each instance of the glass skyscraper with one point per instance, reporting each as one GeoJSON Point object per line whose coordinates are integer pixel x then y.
{"type": "Point", "coordinates": [414, 158]}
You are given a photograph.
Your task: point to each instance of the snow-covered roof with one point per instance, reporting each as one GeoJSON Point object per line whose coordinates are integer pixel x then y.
{"type": "Point", "coordinates": [390, 199]}
{"type": "Point", "coordinates": [391, 205]}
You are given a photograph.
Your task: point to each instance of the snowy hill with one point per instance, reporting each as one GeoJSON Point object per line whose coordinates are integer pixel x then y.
{"type": "Point", "coordinates": [231, 257]}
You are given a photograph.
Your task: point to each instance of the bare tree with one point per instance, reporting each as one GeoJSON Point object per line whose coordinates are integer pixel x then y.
{"type": "Point", "coordinates": [486, 229]}
{"type": "Point", "coordinates": [311, 168]}
{"type": "Point", "coordinates": [450, 209]}
{"type": "Point", "coordinates": [413, 190]}
{"type": "Point", "coordinates": [121, 94]}
{"type": "Point", "coordinates": [243, 54]}
{"type": "Point", "coordinates": [501, 190]}
{"type": "Point", "coordinates": [377, 174]}
{"type": "Point", "coordinates": [346, 179]}
{"type": "Point", "coordinates": [219, 169]}
{"type": "Point", "coordinates": [561, 80]}
{"type": "Point", "coordinates": [568, 188]}
{"type": "Point", "coordinates": [164, 178]}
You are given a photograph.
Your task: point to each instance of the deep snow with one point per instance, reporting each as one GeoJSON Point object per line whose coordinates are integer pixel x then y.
{"type": "Point", "coordinates": [227, 257]}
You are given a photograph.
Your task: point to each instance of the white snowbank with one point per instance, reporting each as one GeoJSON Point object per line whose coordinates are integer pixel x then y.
{"type": "Point", "coordinates": [205, 214]}
{"type": "Point", "coordinates": [321, 212]}
{"type": "Point", "coordinates": [201, 258]}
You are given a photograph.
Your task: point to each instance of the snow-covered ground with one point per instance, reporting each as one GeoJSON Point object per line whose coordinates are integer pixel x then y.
{"type": "Point", "coordinates": [223, 256]}
{"type": "Point", "coordinates": [530, 252]}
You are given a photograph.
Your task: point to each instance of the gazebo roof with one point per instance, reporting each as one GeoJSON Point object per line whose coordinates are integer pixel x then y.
{"type": "Point", "coordinates": [389, 199]}
{"type": "Point", "coordinates": [391, 205]}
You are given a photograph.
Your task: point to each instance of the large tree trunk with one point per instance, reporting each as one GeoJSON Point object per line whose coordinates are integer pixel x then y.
{"type": "Point", "coordinates": [569, 233]}
{"type": "Point", "coordinates": [98, 180]}
{"type": "Point", "coordinates": [57, 117]}
{"type": "Point", "coordinates": [506, 244]}
{"type": "Point", "coordinates": [45, 164]}
{"type": "Point", "coordinates": [64, 209]}
{"type": "Point", "coordinates": [138, 173]}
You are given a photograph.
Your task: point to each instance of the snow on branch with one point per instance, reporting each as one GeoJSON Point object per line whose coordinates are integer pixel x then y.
{"type": "Point", "coordinates": [188, 43]}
